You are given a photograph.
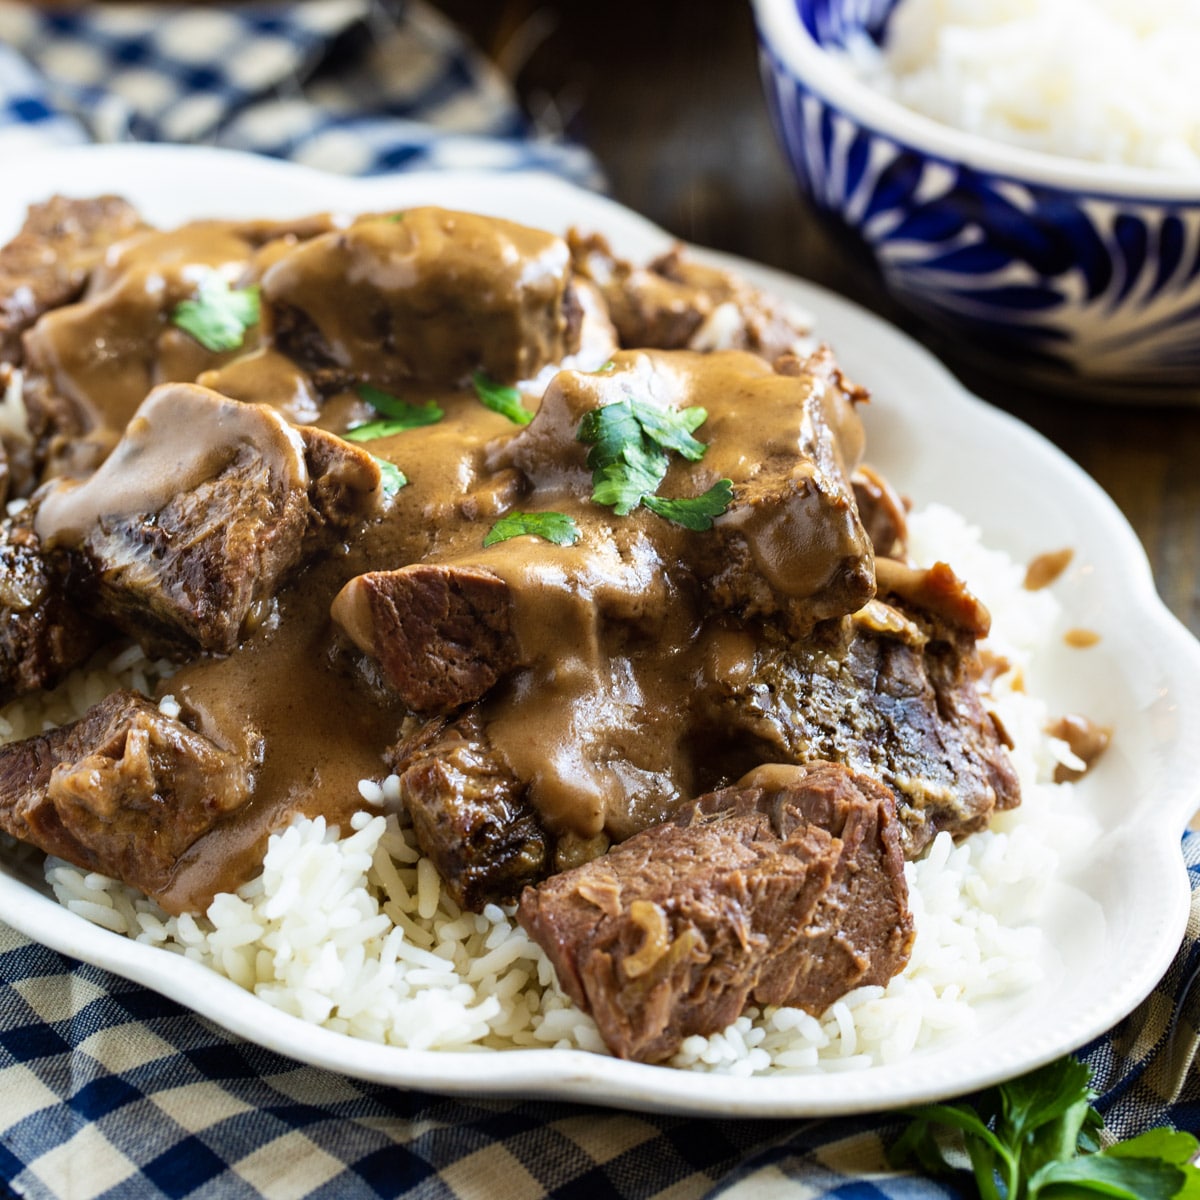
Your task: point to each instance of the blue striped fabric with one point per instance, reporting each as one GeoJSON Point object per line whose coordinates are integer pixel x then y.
{"type": "Point", "coordinates": [108, 1090]}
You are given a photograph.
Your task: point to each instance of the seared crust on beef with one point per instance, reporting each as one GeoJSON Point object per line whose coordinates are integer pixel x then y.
{"type": "Point", "coordinates": [181, 562]}
{"type": "Point", "coordinates": [892, 693]}
{"type": "Point", "coordinates": [469, 813]}
{"type": "Point", "coordinates": [43, 635]}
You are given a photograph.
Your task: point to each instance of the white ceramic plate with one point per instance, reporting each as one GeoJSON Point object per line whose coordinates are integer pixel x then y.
{"type": "Point", "coordinates": [1127, 910]}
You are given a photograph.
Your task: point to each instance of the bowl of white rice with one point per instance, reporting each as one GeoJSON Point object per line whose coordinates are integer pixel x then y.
{"type": "Point", "coordinates": [1025, 173]}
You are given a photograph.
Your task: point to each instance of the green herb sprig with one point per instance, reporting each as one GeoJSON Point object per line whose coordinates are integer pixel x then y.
{"type": "Point", "coordinates": [553, 527]}
{"type": "Point", "coordinates": [631, 443]}
{"type": "Point", "coordinates": [392, 479]}
{"type": "Point", "coordinates": [696, 512]}
{"type": "Point", "coordinates": [500, 399]}
{"type": "Point", "coordinates": [396, 415]}
{"type": "Point", "coordinates": [1036, 1138]}
{"type": "Point", "coordinates": [218, 316]}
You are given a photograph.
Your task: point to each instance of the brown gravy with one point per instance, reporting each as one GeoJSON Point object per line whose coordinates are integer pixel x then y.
{"type": "Point", "coordinates": [1046, 568]}
{"type": "Point", "coordinates": [1087, 741]}
{"type": "Point", "coordinates": [293, 700]}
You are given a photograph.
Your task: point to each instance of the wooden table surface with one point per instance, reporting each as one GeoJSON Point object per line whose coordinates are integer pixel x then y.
{"type": "Point", "coordinates": [666, 94]}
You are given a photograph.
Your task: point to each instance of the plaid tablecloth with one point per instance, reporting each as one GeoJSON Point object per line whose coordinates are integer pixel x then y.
{"type": "Point", "coordinates": [109, 1090]}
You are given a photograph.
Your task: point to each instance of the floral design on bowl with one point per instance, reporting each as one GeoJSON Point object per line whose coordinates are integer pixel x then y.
{"type": "Point", "coordinates": [1087, 267]}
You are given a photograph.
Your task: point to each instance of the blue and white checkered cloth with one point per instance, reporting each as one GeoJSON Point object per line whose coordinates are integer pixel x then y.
{"type": "Point", "coordinates": [354, 86]}
{"type": "Point", "coordinates": [108, 1090]}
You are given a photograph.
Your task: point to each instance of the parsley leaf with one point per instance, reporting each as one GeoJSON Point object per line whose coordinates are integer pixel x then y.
{"type": "Point", "coordinates": [391, 477]}
{"type": "Point", "coordinates": [554, 527]}
{"type": "Point", "coordinates": [672, 428]}
{"type": "Point", "coordinates": [218, 317]}
{"type": "Point", "coordinates": [631, 442]}
{"type": "Point", "coordinates": [626, 481]}
{"type": "Point", "coordinates": [1034, 1138]}
{"type": "Point", "coordinates": [398, 415]}
{"type": "Point", "coordinates": [695, 513]}
{"type": "Point", "coordinates": [501, 399]}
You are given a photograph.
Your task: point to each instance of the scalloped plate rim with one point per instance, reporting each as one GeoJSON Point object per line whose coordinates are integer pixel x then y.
{"type": "Point", "coordinates": [864, 342]}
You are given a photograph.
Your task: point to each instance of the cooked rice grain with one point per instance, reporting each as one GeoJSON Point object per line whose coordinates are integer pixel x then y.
{"type": "Point", "coordinates": [1105, 80]}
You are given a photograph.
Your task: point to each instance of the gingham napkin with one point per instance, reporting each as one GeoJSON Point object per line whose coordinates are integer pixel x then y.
{"type": "Point", "coordinates": [355, 86]}
{"type": "Point", "coordinates": [108, 1090]}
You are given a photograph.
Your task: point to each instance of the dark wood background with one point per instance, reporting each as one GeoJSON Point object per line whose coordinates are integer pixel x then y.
{"type": "Point", "coordinates": [666, 94]}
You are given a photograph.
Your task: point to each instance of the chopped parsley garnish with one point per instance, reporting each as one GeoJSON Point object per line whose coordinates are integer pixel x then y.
{"type": "Point", "coordinates": [391, 477]}
{"type": "Point", "coordinates": [217, 316]}
{"type": "Point", "coordinates": [631, 443]}
{"type": "Point", "coordinates": [397, 415]}
{"type": "Point", "coordinates": [554, 527]}
{"type": "Point", "coordinates": [1035, 1138]}
{"type": "Point", "coordinates": [501, 399]}
{"type": "Point", "coordinates": [698, 512]}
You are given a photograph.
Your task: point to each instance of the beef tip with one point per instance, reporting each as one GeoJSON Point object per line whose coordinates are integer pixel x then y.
{"type": "Point", "coordinates": [123, 791]}
{"type": "Point", "coordinates": [47, 264]}
{"type": "Point", "coordinates": [862, 931]}
{"type": "Point", "coordinates": [42, 634]}
{"type": "Point", "coordinates": [183, 535]}
{"type": "Point", "coordinates": [788, 889]}
{"type": "Point", "coordinates": [792, 541]}
{"type": "Point", "coordinates": [884, 513]}
{"type": "Point", "coordinates": [469, 812]}
{"type": "Point", "coordinates": [675, 303]}
{"type": "Point", "coordinates": [446, 632]}
{"type": "Point", "coordinates": [89, 365]}
{"type": "Point", "coordinates": [891, 692]}
{"type": "Point", "coordinates": [343, 484]}
{"type": "Point", "coordinates": [429, 295]}
{"type": "Point", "coordinates": [442, 634]}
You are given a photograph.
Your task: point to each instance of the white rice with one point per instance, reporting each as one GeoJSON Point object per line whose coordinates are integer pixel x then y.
{"type": "Point", "coordinates": [355, 932]}
{"type": "Point", "coordinates": [1108, 80]}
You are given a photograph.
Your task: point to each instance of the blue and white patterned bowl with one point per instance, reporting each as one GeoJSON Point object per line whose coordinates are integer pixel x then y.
{"type": "Point", "coordinates": [1081, 273]}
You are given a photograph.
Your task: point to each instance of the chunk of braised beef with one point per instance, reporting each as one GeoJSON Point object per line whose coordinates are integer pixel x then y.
{"type": "Point", "coordinates": [676, 303]}
{"type": "Point", "coordinates": [787, 889]}
{"type": "Point", "coordinates": [791, 542]}
{"type": "Point", "coordinates": [124, 791]}
{"type": "Point", "coordinates": [430, 295]}
{"type": "Point", "coordinates": [43, 634]}
{"type": "Point", "coordinates": [48, 262]}
{"type": "Point", "coordinates": [441, 633]}
{"type": "Point", "coordinates": [187, 530]}
{"type": "Point", "coordinates": [891, 692]}
{"type": "Point", "coordinates": [469, 812]}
